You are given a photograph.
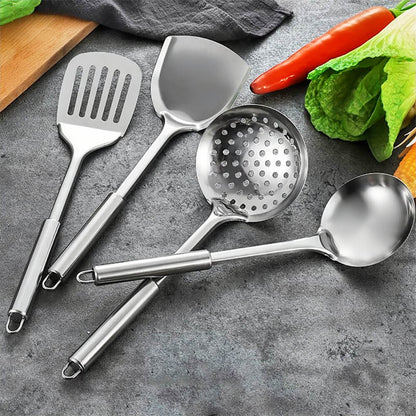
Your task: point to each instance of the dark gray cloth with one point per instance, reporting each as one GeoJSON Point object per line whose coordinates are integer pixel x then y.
{"type": "Point", "coordinates": [155, 19]}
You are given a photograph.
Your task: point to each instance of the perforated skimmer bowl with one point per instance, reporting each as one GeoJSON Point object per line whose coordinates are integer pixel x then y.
{"type": "Point", "coordinates": [254, 160]}
{"type": "Point", "coordinates": [251, 164]}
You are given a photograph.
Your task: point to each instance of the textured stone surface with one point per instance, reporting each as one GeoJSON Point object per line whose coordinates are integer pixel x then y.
{"type": "Point", "coordinates": [296, 335]}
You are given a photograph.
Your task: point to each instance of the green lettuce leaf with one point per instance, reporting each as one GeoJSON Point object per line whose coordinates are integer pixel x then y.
{"type": "Point", "coordinates": [14, 9]}
{"type": "Point", "coordinates": [325, 103]}
{"type": "Point", "coordinates": [364, 107]}
{"type": "Point", "coordinates": [398, 95]}
{"type": "Point", "coordinates": [367, 93]}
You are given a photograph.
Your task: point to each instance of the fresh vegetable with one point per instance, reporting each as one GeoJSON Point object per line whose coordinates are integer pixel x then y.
{"type": "Point", "coordinates": [368, 94]}
{"type": "Point", "coordinates": [406, 170]}
{"type": "Point", "coordinates": [341, 39]}
{"type": "Point", "coordinates": [14, 9]}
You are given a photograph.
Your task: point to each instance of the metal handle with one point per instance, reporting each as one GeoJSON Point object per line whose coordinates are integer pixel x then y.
{"type": "Point", "coordinates": [133, 270]}
{"type": "Point", "coordinates": [313, 243]}
{"type": "Point", "coordinates": [195, 260]}
{"type": "Point", "coordinates": [98, 222]}
{"type": "Point", "coordinates": [171, 128]}
{"type": "Point", "coordinates": [109, 330]}
{"type": "Point", "coordinates": [86, 237]}
{"type": "Point", "coordinates": [29, 283]}
{"type": "Point", "coordinates": [115, 324]}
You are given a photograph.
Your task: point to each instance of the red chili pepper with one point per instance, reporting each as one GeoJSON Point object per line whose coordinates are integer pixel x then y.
{"type": "Point", "coordinates": [339, 40]}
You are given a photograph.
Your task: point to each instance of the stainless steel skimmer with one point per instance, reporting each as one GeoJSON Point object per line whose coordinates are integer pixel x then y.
{"type": "Point", "coordinates": [251, 164]}
{"type": "Point", "coordinates": [363, 223]}
{"type": "Point", "coordinates": [194, 80]}
{"type": "Point", "coordinates": [97, 100]}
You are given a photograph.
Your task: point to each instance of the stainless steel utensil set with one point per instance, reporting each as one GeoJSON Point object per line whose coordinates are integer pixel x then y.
{"type": "Point", "coordinates": [251, 164]}
{"type": "Point", "coordinates": [194, 80]}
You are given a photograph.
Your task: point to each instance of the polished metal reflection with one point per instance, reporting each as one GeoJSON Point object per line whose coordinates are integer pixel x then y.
{"type": "Point", "coordinates": [368, 219]}
{"type": "Point", "coordinates": [251, 164]}
{"type": "Point", "coordinates": [94, 111]}
{"type": "Point", "coordinates": [363, 223]}
{"type": "Point", "coordinates": [232, 201]}
{"type": "Point", "coordinates": [194, 80]}
{"type": "Point", "coordinates": [187, 97]}
{"type": "Point", "coordinates": [254, 160]}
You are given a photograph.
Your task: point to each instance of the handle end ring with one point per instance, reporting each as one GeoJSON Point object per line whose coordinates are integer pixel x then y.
{"type": "Point", "coordinates": [88, 272]}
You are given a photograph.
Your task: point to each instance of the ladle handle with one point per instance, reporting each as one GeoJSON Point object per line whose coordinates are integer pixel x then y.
{"type": "Point", "coordinates": [117, 321]}
{"type": "Point", "coordinates": [196, 260]}
{"type": "Point", "coordinates": [159, 266]}
{"type": "Point", "coordinates": [104, 215]}
{"type": "Point", "coordinates": [313, 243]}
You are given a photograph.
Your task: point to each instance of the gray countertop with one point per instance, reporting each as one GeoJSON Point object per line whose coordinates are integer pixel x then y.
{"type": "Point", "coordinates": [295, 335]}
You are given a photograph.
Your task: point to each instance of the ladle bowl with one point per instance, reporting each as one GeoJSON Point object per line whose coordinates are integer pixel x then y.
{"type": "Point", "coordinates": [368, 219]}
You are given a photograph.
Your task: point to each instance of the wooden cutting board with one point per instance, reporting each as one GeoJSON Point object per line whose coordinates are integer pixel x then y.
{"type": "Point", "coordinates": [31, 45]}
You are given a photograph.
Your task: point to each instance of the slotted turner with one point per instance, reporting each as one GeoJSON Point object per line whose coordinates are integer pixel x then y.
{"type": "Point", "coordinates": [195, 79]}
{"type": "Point", "coordinates": [97, 100]}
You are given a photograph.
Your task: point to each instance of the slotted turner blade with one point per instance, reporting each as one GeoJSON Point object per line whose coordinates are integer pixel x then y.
{"type": "Point", "coordinates": [194, 80]}
{"type": "Point", "coordinates": [100, 91]}
{"type": "Point", "coordinates": [97, 100]}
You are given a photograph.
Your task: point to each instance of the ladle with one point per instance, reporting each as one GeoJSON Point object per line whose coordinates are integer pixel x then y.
{"type": "Point", "coordinates": [363, 223]}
